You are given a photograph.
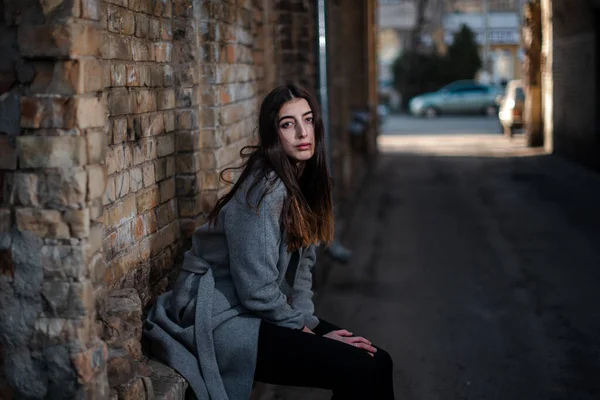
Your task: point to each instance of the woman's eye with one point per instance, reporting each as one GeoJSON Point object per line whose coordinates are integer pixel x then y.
{"type": "Point", "coordinates": [309, 120]}
{"type": "Point", "coordinates": [285, 125]}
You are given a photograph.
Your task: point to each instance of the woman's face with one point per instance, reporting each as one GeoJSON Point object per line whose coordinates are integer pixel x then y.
{"type": "Point", "coordinates": [296, 130]}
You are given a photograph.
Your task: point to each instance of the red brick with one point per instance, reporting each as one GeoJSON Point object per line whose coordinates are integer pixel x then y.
{"type": "Point", "coordinates": [120, 102]}
{"type": "Point", "coordinates": [186, 119]}
{"type": "Point", "coordinates": [188, 185]}
{"type": "Point", "coordinates": [46, 112]}
{"type": "Point", "coordinates": [122, 182]}
{"type": "Point", "coordinates": [118, 75]}
{"type": "Point", "coordinates": [124, 237]}
{"type": "Point", "coordinates": [122, 211]}
{"type": "Point", "coordinates": [89, 111]}
{"type": "Point", "coordinates": [145, 101]}
{"type": "Point", "coordinates": [148, 199]}
{"type": "Point", "coordinates": [79, 222]}
{"type": "Point", "coordinates": [42, 223]}
{"type": "Point", "coordinates": [169, 118]}
{"type": "Point", "coordinates": [167, 189]}
{"type": "Point", "coordinates": [152, 124]}
{"type": "Point", "coordinates": [188, 163]}
{"type": "Point", "coordinates": [166, 32]}
{"type": "Point", "coordinates": [166, 99]}
{"type": "Point", "coordinates": [148, 175]}
{"type": "Point", "coordinates": [233, 113]}
{"type": "Point", "coordinates": [187, 141]}
{"type": "Point", "coordinates": [133, 75]}
{"type": "Point", "coordinates": [96, 146]}
{"type": "Point", "coordinates": [162, 52]}
{"type": "Point", "coordinates": [51, 152]}
{"type": "Point", "coordinates": [63, 40]}
{"type": "Point", "coordinates": [109, 194]}
{"type": "Point", "coordinates": [116, 47]}
{"type": "Point", "coordinates": [120, 21]}
{"type": "Point", "coordinates": [121, 265]}
{"type": "Point", "coordinates": [96, 181]}
{"type": "Point", "coordinates": [135, 179]}
{"type": "Point", "coordinates": [209, 117]}
{"type": "Point", "coordinates": [144, 6]}
{"type": "Point", "coordinates": [190, 207]}
{"type": "Point", "coordinates": [115, 159]}
{"type": "Point", "coordinates": [141, 50]}
{"type": "Point", "coordinates": [90, 9]}
{"type": "Point", "coordinates": [165, 145]}
{"type": "Point", "coordinates": [144, 150]}
{"type": "Point", "coordinates": [141, 26]}
{"type": "Point", "coordinates": [160, 166]}
{"type": "Point", "coordinates": [119, 130]}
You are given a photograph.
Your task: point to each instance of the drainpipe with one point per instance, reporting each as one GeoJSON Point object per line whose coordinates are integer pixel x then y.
{"type": "Point", "coordinates": [336, 251]}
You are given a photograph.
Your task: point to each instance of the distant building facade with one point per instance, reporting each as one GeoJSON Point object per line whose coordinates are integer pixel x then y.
{"type": "Point", "coordinates": [396, 20]}
{"type": "Point", "coordinates": [503, 33]}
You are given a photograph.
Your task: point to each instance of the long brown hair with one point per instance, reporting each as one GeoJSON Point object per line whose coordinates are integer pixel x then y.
{"type": "Point", "coordinates": [307, 214]}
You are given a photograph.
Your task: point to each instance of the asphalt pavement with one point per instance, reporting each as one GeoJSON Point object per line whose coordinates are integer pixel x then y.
{"type": "Point", "coordinates": [476, 265]}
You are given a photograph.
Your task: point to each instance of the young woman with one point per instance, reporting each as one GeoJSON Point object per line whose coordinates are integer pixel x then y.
{"type": "Point", "coordinates": [241, 308]}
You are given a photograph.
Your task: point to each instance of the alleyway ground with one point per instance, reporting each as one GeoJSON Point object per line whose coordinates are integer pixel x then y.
{"type": "Point", "coordinates": [477, 266]}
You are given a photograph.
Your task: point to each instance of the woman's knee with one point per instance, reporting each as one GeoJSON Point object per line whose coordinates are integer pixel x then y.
{"type": "Point", "coordinates": [384, 360]}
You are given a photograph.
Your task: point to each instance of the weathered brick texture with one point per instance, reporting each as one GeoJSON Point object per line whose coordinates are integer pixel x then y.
{"type": "Point", "coordinates": [118, 117]}
{"type": "Point", "coordinates": [53, 149]}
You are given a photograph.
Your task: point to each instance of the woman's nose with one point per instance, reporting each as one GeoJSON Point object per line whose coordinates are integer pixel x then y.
{"type": "Point", "coordinates": [300, 130]}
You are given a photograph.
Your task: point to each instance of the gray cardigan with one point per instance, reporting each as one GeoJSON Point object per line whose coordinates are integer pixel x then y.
{"type": "Point", "coordinates": [236, 274]}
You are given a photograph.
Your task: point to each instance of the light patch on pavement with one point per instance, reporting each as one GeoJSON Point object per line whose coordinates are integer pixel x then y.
{"type": "Point", "coordinates": [458, 145]}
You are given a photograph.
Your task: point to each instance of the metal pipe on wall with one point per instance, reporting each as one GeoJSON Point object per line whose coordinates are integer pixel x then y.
{"type": "Point", "coordinates": [336, 251]}
{"type": "Point", "coordinates": [323, 97]}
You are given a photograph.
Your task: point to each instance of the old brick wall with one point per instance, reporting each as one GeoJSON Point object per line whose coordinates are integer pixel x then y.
{"type": "Point", "coordinates": [140, 209]}
{"type": "Point", "coordinates": [185, 84]}
{"type": "Point", "coordinates": [575, 90]}
{"type": "Point", "coordinates": [52, 147]}
{"type": "Point", "coordinates": [116, 118]}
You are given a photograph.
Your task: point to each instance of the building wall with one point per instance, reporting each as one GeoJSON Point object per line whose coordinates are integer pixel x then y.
{"type": "Point", "coordinates": [52, 173]}
{"type": "Point", "coordinates": [116, 118]}
{"type": "Point", "coordinates": [349, 91]}
{"type": "Point", "coordinates": [575, 90]}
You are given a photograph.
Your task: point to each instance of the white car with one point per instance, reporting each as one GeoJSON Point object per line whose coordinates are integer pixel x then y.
{"type": "Point", "coordinates": [511, 108]}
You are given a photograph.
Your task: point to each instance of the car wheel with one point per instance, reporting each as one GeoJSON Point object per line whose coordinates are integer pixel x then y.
{"type": "Point", "coordinates": [430, 112]}
{"type": "Point", "coordinates": [491, 111]}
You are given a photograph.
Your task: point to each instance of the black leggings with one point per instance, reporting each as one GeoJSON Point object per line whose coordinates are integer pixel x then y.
{"type": "Point", "coordinates": [295, 358]}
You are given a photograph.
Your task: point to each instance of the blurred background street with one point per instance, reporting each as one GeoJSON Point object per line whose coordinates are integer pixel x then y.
{"type": "Point", "coordinates": [403, 124]}
{"type": "Point", "coordinates": [475, 265]}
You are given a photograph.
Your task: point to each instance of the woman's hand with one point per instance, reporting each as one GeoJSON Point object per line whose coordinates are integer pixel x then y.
{"type": "Point", "coordinates": [344, 336]}
{"type": "Point", "coordinates": [307, 330]}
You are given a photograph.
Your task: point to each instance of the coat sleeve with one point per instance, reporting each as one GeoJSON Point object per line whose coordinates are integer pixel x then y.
{"type": "Point", "coordinates": [253, 240]}
{"type": "Point", "coordinates": [302, 290]}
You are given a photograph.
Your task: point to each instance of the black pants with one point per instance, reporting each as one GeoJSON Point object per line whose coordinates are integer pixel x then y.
{"type": "Point", "coordinates": [295, 358]}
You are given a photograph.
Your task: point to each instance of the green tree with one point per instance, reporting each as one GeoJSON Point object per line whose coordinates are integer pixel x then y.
{"type": "Point", "coordinates": [417, 71]}
{"type": "Point", "coordinates": [463, 55]}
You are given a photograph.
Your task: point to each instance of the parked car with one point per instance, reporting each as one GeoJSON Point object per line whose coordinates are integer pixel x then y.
{"type": "Point", "coordinates": [460, 97]}
{"type": "Point", "coordinates": [511, 107]}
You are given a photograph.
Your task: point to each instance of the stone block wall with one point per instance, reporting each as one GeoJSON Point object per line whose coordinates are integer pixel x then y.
{"type": "Point", "coordinates": [53, 149]}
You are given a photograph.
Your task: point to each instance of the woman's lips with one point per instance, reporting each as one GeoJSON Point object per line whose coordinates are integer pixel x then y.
{"type": "Point", "coordinates": [306, 146]}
